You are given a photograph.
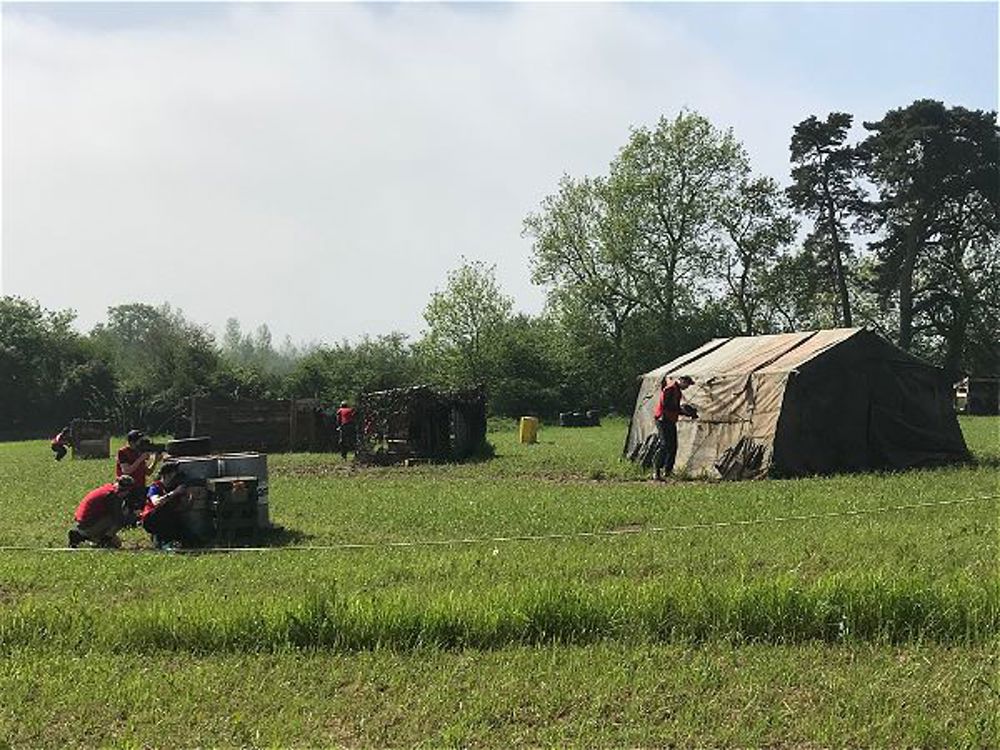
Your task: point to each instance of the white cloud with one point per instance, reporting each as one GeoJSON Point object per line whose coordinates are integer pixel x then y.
{"type": "Point", "coordinates": [320, 167]}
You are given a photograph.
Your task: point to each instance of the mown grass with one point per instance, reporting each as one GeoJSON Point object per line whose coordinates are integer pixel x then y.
{"type": "Point", "coordinates": [600, 695]}
{"type": "Point", "coordinates": [913, 591]}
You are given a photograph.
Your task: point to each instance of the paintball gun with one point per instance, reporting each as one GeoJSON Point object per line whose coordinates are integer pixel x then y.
{"type": "Point", "coordinates": [146, 446]}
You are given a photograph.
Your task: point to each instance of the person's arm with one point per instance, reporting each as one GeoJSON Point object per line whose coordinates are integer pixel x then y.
{"type": "Point", "coordinates": [176, 492]}
{"type": "Point", "coordinates": [129, 468]}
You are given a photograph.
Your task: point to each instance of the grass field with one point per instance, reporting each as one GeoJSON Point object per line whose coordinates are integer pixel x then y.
{"type": "Point", "coordinates": [849, 610]}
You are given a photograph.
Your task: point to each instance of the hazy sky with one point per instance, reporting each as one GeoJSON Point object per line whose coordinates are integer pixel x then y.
{"type": "Point", "coordinates": [320, 167]}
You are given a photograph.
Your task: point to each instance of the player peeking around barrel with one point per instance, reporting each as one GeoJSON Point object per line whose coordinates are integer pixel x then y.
{"type": "Point", "coordinates": [666, 413]}
{"type": "Point", "coordinates": [163, 514]}
{"type": "Point", "coordinates": [100, 515]}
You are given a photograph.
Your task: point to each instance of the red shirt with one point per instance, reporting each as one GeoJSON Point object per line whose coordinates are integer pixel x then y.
{"type": "Point", "coordinates": [668, 406]}
{"type": "Point", "coordinates": [128, 455]}
{"type": "Point", "coordinates": [345, 415]}
{"type": "Point", "coordinates": [97, 504]}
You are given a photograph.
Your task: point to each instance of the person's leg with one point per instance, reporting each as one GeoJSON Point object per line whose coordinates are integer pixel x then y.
{"type": "Point", "coordinates": [661, 451]}
{"type": "Point", "coordinates": [96, 531]}
{"type": "Point", "coordinates": [76, 537]}
{"type": "Point", "coordinates": [669, 437]}
{"type": "Point", "coordinates": [165, 526]}
{"type": "Point", "coordinates": [60, 450]}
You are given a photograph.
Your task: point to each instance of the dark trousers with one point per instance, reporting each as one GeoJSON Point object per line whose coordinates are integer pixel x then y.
{"type": "Point", "coordinates": [348, 438]}
{"type": "Point", "coordinates": [667, 452]}
{"type": "Point", "coordinates": [60, 450]}
{"type": "Point", "coordinates": [165, 525]}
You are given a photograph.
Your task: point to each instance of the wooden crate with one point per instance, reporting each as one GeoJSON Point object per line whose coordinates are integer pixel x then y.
{"type": "Point", "coordinates": [91, 438]}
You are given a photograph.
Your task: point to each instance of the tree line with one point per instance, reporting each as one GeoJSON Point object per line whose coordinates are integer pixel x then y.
{"type": "Point", "coordinates": [893, 226]}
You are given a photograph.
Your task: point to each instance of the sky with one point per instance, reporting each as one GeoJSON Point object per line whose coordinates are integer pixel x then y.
{"type": "Point", "coordinates": [320, 167]}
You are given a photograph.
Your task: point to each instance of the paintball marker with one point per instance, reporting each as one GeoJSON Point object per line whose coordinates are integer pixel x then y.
{"type": "Point", "coordinates": [145, 446]}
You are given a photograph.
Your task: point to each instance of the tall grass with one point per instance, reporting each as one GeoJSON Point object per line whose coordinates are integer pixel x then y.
{"type": "Point", "coordinates": [835, 608]}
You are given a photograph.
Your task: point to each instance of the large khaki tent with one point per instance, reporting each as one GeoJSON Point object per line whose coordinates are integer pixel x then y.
{"type": "Point", "coordinates": [794, 404]}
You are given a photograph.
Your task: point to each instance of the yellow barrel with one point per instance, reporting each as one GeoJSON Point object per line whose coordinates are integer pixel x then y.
{"type": "Point", "coordinates": [528, 430]}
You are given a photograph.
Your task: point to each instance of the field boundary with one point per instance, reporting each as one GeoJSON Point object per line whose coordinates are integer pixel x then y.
{"type": "Point", "coordinates": [555, 536]}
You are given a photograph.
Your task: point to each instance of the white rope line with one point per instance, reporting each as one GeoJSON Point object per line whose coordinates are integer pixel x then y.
{"type": "Point", "coordinates": [467, 541]}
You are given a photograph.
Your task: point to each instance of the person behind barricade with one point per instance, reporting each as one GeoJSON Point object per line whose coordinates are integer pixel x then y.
{"type": "Point", "coordinates": [162, 516]}
{"type": "Point", "coordinates": [666, 413]}
{"type": "Point", "coordinates": [135, 462]}
{"type": "Point", "coordinates": [346, 428]}
{"type": "Point", "coordinates": [59, 442]}
{"type": "Point", "coordinates": [100, 515]}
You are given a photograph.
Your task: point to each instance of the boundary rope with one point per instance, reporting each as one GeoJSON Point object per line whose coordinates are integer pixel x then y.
{"type": "Point", "coordinates": [470, 541]}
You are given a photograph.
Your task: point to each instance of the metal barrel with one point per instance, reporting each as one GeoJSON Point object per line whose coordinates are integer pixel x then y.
{"type": "Point", "coordinates": [249, 464]}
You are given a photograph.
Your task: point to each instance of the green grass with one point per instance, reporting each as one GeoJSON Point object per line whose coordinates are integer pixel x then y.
{"type": "Point", "coordinates": [604, 695]}
{"type": "Point", "coordinates": [871, 627]}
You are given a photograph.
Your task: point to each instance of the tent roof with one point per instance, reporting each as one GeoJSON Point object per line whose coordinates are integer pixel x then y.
{"type": "Point", "coordinates": [781, 352]}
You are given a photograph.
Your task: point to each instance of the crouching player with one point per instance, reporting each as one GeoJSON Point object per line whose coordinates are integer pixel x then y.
{"type": "Point", "coordinates": [100, 515]}
{"type": "Point", "coordinates": [163, 514]}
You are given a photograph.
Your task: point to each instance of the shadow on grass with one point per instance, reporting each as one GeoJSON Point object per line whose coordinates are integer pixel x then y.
{"type": "Point", "coordinates": [275, 536]}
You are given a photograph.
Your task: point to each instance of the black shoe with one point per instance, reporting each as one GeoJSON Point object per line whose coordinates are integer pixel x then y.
{"type": "Point", "coordinates": [76, 538]}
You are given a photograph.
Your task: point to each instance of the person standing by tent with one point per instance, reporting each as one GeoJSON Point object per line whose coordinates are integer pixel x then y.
{"type": "Point", "coordinates": [346, 429]}
{"type": "Point", "coordinates": [668, 409]}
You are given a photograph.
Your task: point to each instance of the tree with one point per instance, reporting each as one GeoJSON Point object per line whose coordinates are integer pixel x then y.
{"type": "Point", "coordinates": [936, 170]}
{"type": "Point", "coordinates": [585, 240]}
{"type": "Point", "coordinates": [344, 371]}
{"type": "Point", "coordinates": [755, 226]}
{"type": "Point", "coordinates": [159, 359]}
{"type": "Point", "coordinates": [825, 187]}
{"type": "Point", "coordinates": [675, 177]}
{"type": "Point", "coordinates": [37, 348]}
{"type": "Point", "coordinates": [465, 322]}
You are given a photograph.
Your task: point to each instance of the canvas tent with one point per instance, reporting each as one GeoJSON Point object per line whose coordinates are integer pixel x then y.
{"type": "Point", "coordinates": [795, 404]}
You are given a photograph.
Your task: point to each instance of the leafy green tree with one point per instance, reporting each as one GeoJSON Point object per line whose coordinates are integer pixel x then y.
{"type": "Point", "coordinates": [675, 177]}
{"type": "Point", "coordinates": [159, 358]}
{"type": "Point", "coordinates": [756, 227]}
{"type": "Point", "coordinates": [529, 378]}
{"type": "Point", "coordinates": [465, 322]}
{"type": "Point", "coordinates": [344, 371]}
{"type": "Point", "coordinates": [826, 188]}
{"type": "Point", "coordinates": [37, 349]}
{"type": "Point", "coordinates": [585, 241]}
{"type": "Point", "coordinates": [936, 171]}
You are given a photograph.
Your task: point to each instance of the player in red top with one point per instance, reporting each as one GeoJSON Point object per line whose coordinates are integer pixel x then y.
{"type": "Point", "coordinates": [668, 409]}
{"type": "Point", "coordinates": [134, 462]}
{"type": "Point", "coordinates": [346, 428]}
{"type": "Point", "coordinates": [100, 514]}
{"type": "Point", "coordinates": [58, 443]}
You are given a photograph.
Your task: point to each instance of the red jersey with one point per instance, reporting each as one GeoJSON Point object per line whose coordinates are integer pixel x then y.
{"type": "Point", "coordinates": [127, 455]}
{"type": "Point", "coordinates": [668, 406]}
{"type": "Point", "coordinates": [345, 415]}
{"type": "Point", "coordinates": [97, 504]}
